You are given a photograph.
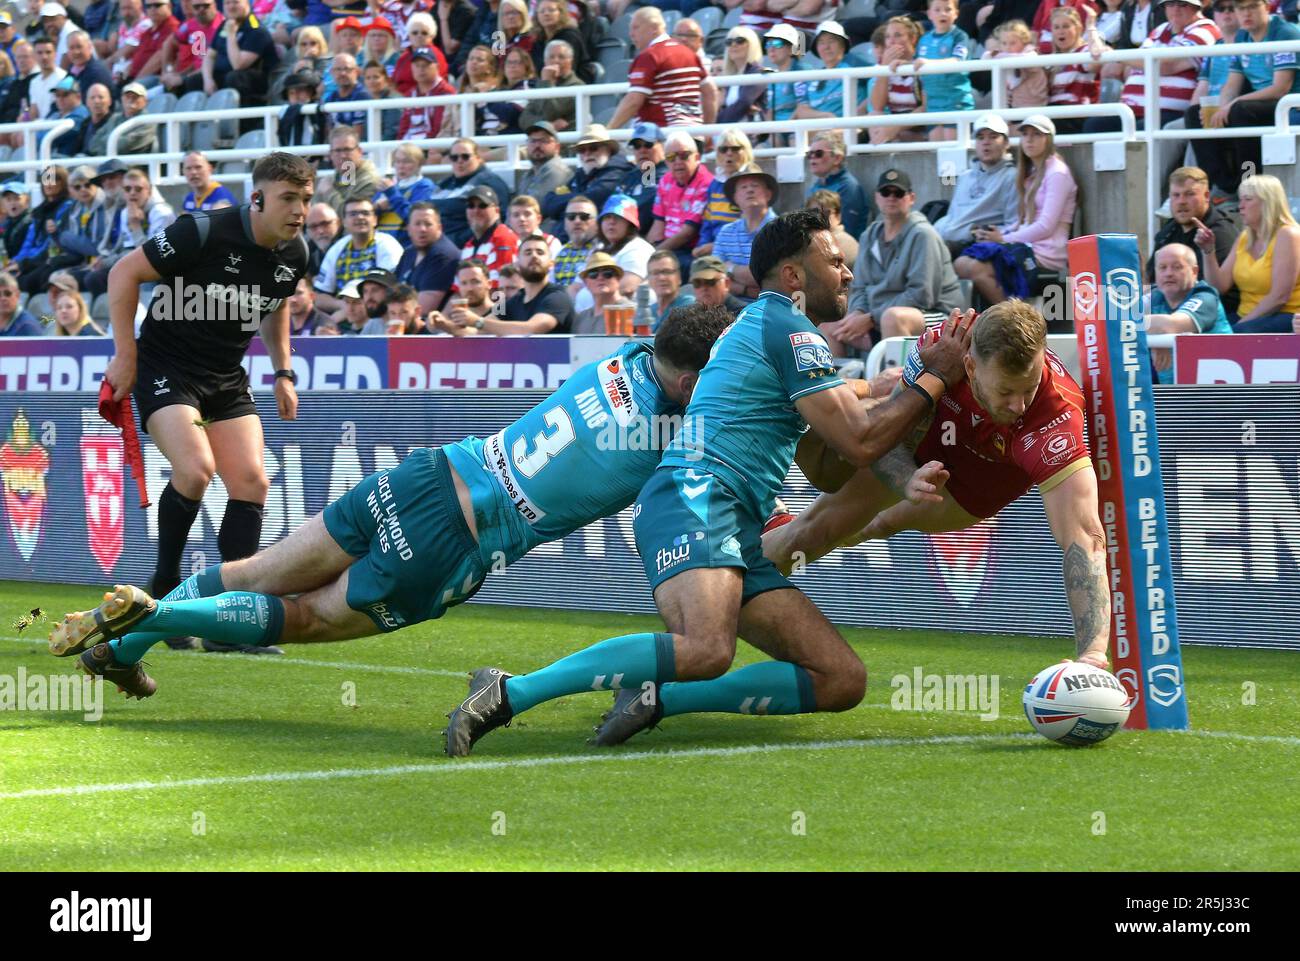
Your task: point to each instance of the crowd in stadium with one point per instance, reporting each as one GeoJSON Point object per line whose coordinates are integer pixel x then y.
{"type": "Point", "coordinates": [665, 219]}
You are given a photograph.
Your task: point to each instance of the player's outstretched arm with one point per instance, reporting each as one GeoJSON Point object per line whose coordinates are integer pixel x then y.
{"type": "Point", "coordinates": [124, 281]}
{"type": "Point", "coordinates": [1072, 513]}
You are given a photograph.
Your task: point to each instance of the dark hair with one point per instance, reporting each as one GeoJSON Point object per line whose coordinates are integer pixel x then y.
{"type": "Point", "coordinates": [283, 167]}
{"type": "Point", "coordinates": [401, 294]}
{"type": "Point", "coordinates": [357, 200]}
{"type": "Point", "coordinates": [509, 270]}
{"type": "Point", "coordinates": [474, 264]}
{"type": "Point", "coordinates": [424, 205]}
{"type": "Point", "coordinates": [44, 38]}
{"type": "Point", "coordinates": [789, 235]}
{"type": "Point", "coordinates": [685, 338]}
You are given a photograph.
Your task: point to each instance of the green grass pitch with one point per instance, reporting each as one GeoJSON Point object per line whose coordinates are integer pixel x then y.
{"type": "Point", "coordinates": [242, 763]}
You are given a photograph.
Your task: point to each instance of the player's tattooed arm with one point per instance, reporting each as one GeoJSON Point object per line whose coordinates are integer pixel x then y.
{"type": "Point", "coordinates": [895, 469]}
{"type": "Point", "coordinates": [1071, 507]}
{"type": "Point", "coordinates": [1085, 587]}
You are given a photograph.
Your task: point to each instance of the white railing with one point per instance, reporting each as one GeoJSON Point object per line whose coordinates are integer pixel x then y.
{"type": "Point", "coordinates": [378, 150]}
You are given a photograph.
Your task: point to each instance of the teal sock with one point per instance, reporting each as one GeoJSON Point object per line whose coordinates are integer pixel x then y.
{"type": "Point", "coordinates": [771, 687]}
{"type": "Point", "coordinates": [627, 661]}
{"type": "Point", "coordinates": [206, 583]}
{"type": "Point", "coordinates": [235, 617]}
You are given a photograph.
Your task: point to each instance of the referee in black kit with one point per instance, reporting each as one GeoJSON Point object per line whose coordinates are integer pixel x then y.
{"type": "Point", "coordinates": [223, 275]}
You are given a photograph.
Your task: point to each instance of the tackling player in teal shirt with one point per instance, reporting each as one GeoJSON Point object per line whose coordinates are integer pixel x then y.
{"type": "Point", "coordinates": [408, 543]}
{"type": "Point", "coordinates": [698, 521]}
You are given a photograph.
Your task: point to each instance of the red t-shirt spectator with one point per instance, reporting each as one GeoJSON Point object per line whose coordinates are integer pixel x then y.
{"type": "Point", "coordinates": [1176, 89]}
{"type": "Point", "coordinates": [496, 250]}
{"type": "Point", "coordinates": [186, 61]}
{"type": "Point", "coordinates": [151, 41]}
{"type": "Point", "coordinates": [670, 75]}
{"type": "Point", "coordinates": [1042, 25]}
{"type": "Point", "coordinates": [404, 78]}
{"type": "Point", "coordinates": [418, 122]}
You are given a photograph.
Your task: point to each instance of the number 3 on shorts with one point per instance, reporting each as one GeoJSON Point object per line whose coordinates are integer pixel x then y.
{"type": "Point", "coordinates": [547, 446]}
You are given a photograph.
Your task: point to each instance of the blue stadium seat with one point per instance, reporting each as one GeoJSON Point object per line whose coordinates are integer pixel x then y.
{"type": "Point", "coordinates": [99, 310]}
{"type": "Point", "coordinates": [162, 103]}
{"type": "Point", "coordinates": [616, 72]}
{"type": "Point", "coordinates": [194, 100]}
{"type": "Point", "coordinates": [857, 8]}
{"type": "Point", "coordinates": [1110, 90]}
{"type": "Point", "coordinates": [228, 129]}
{"type": "Point", "coordinates": [866, 53]}
{"type": "Point", "coordinates": [670, 19]}
{"type": "Point", "coordinates": [611, 51]}
{"type": "Point", "coordinates": [733, 17]}
{"type": "Point", "coordinates": [619, 28]}
{"type": "Point", "coordinates": [39, 306]}
{"type": "Point", "coordinates": [709, 19]}
{"type": "Point", "coordinates": [715, 41]}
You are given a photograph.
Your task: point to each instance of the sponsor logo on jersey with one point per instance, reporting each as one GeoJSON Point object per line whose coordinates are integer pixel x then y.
{"type": "Point", "coordinates": [618, 392]}
{"type": "Point", "coordinates": [246, 299]}
{"type": "Point", "coordinates": [1061, 448]}
{"type": "Point", "coordinates": [160, 387]}
{"type": "Point", "coordinates": [165, 249]}
{"type": "Point", "coordinates": [975, 419]}
{"type": "Point", "coordinates": [1000, 445]}
{"type": "Point", "coordinates": [947, 401]}
{"type": "Point", "coordinates": [494, 457]}
{"type": "Point", "coordinates": [284, 274]}
{"type": "Point", "coordinates": [811, 352]}
{"type": "Point", "coordinates": [679, 551]}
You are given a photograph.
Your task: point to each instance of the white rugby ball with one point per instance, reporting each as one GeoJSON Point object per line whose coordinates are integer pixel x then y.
{"type": "Point", "coordinates": [1075, 703]}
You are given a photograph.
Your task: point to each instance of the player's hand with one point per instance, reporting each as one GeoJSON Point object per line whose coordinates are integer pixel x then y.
{"type": "Point", "coordinates": [1204, 237]}
{"type": "Point", "coordinates": [925, 486]}
{"type": "Point", "coordinates": [1095, 658]}
{"type": "Point", "coordinates": [883, 384]}
{"type": "Point", "coordinates": [286, 398]}
{"type": "Point", "coordinates": [947, 355]}
{"type": "Point", "coordinates": [121, 373]}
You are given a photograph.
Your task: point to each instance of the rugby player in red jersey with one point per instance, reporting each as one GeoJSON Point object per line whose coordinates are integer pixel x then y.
{"type": "Point", "coordinates": [1015, 422]}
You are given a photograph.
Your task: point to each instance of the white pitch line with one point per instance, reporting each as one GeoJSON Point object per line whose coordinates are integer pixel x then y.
{"type": "Point", "coordinates": [447, 767]}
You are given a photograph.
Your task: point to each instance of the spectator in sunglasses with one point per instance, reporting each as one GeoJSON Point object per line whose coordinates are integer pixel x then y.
{"type": "Point", "coordinates": [600, 277]}
{"type": "Point", "coordinates": [601, 168]}
{"type": "Point", "coordinates": [467, 172]}
{"type": "Point", "coordinates": [584, 239]}
{"type": "Point", "coordinates": [734, 153]}
{"type": "Point", "coordinates": [744, 55]}
{"type": "Point", "coordinates": [826, 157]}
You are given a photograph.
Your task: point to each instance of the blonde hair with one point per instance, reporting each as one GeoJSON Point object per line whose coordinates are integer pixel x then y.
{"type": "Point", "coordinates": [1195, 174]}
{"type": "Point", "coordinates": [83, 314]}
{"type": "Point", "coordinates": [312, 33]}
{"type": "Point", "coordinates": [735, 137]}
{"type": "Point", "coordinates": [411, 152]}
{"type": "Point", "coordinates": [390, 48]}
{"type": "Point", "coordinates": [1011, 332]}
{"type": "Point", "coordinates": [1029, 177]}
{"type": "Point", "coordinates": [523, 200]}
{"type": "Point", "coordinates": [519, 7]}
{"type": "Point", "coordinates": [1275, 210]}
{"type": "Point", "coordinates": [1072, 15]}
{"type": "Point", "coordinates": [565, 21]}
{"type": "Point", "coordinates": [908, 24]}
{"type": "Point", "coordinates": [1016, 29]}
{"type": "Point", "coordinates": [753, 49]}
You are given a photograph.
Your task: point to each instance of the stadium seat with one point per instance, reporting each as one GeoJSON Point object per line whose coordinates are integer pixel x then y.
{"type": "Point", "coordinates": [227, 129]}
{"type": "Point", "coordinates": [732, 18]}
{"type": "Point", "coordinates": [709, 19]}
{"type": "Point", "coordinates": [866, 53]}
{"type": "Point", "coordinates": [857, 8]}
{"type": "Point", "coordinates": [99, 310]}
{"type": "Point", "coordinates": [162, 103]}
{"type": "Point", "coordinates": [598, 74]}
{"type": "Point", "coordinates": [616, 72]}
{"type": "Point", "coordinates": [715, 44]}
{"type": "Point", "coordinates": [22, 300]}
{"type": "Point", "coordinates": [611, 52]}
{"type": "Point", "coordinates": [1110, 89]}
{"type": "Point", "coordinates": [39, 305]}
{"type": "Point", "coordinates": [191, 101]}
{"type": "Point", "coordinates": [671, 17]}
{"type": "Point", "coordinates": [619, 28]}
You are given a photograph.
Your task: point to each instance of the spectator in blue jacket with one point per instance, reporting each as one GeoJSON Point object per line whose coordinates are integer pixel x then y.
{"type": "Point", "coordinates": [826, 156]}
{"type": "Point", "coordinates": [450, 195]}
{"type": "Point", "coordinates": [46, 217]}
{"type": "Point", "coordinates": [396, 195]}
{"type": "Point", "coordinates": [601, 169]}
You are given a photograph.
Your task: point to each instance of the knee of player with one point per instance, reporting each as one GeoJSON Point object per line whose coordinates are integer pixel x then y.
{"type": "Point", "coordinates": [714, 656]}
{"type": "Point", "coordinates": [193, 474]}
{"type": "Point", "coordinates": [251, 486]}
{"type": "Point", "coordinates": [846, 687]}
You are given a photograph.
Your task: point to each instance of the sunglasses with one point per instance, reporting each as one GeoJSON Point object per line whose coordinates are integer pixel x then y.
{"type": "Point", "coordinates": [679, 155]}
{"type": "Point", "coordinates": [640, 144]}
{"type": "Point", "coordinates": [577, 216]}
{"type": "Point", "coordinates": [459, 157]}
{"type": "Point", "coordinates": [893, 193]}
{"type": "Point", "coordinates": [729, 148]}
{"type": "Point", "coordinates": [8, 292]}
{"type": "Point", "coordinates": [603, 273]}
{"type": "Point", "coordinates": [702, 282]}
{"type": "Point", "coordinates": [772, 44]}
{"type": "Point", "coordinates": [737, 42]}
{"type": "Point", "coordinates": [476, 205]}
{"type": "Point", "coordinates": [817, 154]}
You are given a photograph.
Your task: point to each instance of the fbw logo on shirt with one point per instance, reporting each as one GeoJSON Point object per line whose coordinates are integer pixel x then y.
{"type": "Point", "coordinates": [811, 352]}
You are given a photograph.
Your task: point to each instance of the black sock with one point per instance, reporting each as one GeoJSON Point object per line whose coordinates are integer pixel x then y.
{"type": "Point", "coordinates": [241, 529]}
{"type": "Point", "coordinates": [176, 514]}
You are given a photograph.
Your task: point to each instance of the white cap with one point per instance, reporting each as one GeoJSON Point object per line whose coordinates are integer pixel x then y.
{"type": "Point", "coordinates": [1039, 122]}
{"type": "Point", "coordinates": [783, 31]}
{"type": "Point", "coordinates": [991, 121]}
{"type": "Point", "coordinates": [53, 10]}
{"type": "Point", "coordinates": [835, 29]}
{"type": "Point", "coordinates": [351, 290]}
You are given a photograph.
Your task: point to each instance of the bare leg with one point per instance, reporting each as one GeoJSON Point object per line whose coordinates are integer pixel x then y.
{"type": "Point", "coordinates": [902, 322]}
{"type": "Point", "coordinates": [323, 615]}
{"type": "Point", "coordinates": [982, 275]}
{"type": "Point", "coordinates": [237, 446]}
{"type": "Point", "coordinates": [306, 560]}
{"type": "Point", "coordinates": [786, 626]}
{"type": "Point", "coordinates": [186, 448]}
{"type": "Point", "coordinates": [701, 607]}
{"type": "Point", "coordinates": [832, 520]}
{"type": "Point", "coordinates": [931, 518]}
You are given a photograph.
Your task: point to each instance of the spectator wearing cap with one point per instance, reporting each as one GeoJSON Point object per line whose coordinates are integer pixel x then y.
{"type": "Point", "coordinates": [205, 193]}
{"type": "Point", "coordinates": [711, 286]}
{"type": "Point", "coordinates": [347, 35]}
{"type": "Point", "coordinates": [419, 123]}
{"type": "Point", "coordinates": [752, 190]}
{"type": "Point", "coordinates": [825, 98]}
{"type": "Point", "coordinates": [682, 196]}
{"type": "Point", "coordinates": [581, 218]}
{"type": "Point", "coordinates": [14, 320]}
{"type": "Point", "coordinates": [784, 47]}
{"type": "Point", "coordinates": [641, 183]}
{"type": "Point", "coordinates": [40, 89]}
{"type": "Point", "coordinates": [401, 314]}
{"type": "Point", "coordinates": [353, 175]}
{"type": "Point", "coordinates": [986, 191]}
{"type": "Point", "coordinates": [1045, 202]}
{"type": "Point", "coordinates": [600, 170]}
{"type": "Point", "coordinates": [666, 282]}
{"type": "Point", "coordinates": [744, 55]}
{"type": "Point", "coordinates": [347, 89]}
{"type": "Point", "coordinates": [451, 194]}
{"type": "Point", "coordinates": [141, 214]}
{"type": "Point", "coordinates": [734, 153]}
{"type": "Point", "coordinates": [557, 71]}
{"type": "Point", "coordinates": [667, 82]}
{"type": "Point", "coordinates": [84, 65]}
{"type": "Point", "coordinates": [621, 239]}
{"type": "Point", "coordinates": [57, 26]}
{"type": "Point", "coordinates": [600, 278]}
{"type": "Point", "coordinates": [148, 58]}
{"type": "Point", "coordinates": [295, 128]}
{"type": "Point", "coordinates": [397, 193]}
{"type": "Point", "coordinates": [826, 162]}
{"type": "Point", "coordinates": [422, 34]}
{"type": "Point", "coordinates": [304, 319]}
{"type": "Point", "coordinates": [542, 307]}
{"type": "Point", "coordinates": [9, 36]}
{"type": "Point", "coordinates": [17, 218]}
{"type": "Point", "coordinates": [141, 139]}
{"type": "Point", "coordinates": [361, 249]}
{"type": "Point", "coordinates": [903, 276]}
{"type": "Point", "coordinates": [67, 106]}
{"type": "Point", "coordinates": [241, 58]}
{"type": "Point", "coordinates": [429, 263]}
{"type": "Point", "coordinates": [179, 53]}
{"type": "Point", "coordinates": [490, 240]}
{"type": "Point", "coordinates": [1180, 302]}
{"type": "Point", "coordinates": [375, 286]}
{"type": "Point", "coordinates": [351, 318]}
{"type": "Point", "coordinates": [546, 170]}
{"type": "Point", "coordinates": [524, 217]}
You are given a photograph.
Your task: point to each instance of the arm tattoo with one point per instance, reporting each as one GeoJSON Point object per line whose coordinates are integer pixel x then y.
{"type": "Point", "coordinates": [895, 469]}
{"type": "Point", "coordinates": [1085, 587]}
{"type": "Point", "coordinates": [913, 440]}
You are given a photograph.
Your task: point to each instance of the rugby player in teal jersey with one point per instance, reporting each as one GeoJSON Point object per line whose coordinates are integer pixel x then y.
{"type": "Point", "coordinates": [408, 543]}
{"type": "Point", "coordinates": [698, 521]}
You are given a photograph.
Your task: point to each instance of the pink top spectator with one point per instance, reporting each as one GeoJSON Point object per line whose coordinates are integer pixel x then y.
{"type": "Point", "coordinates": [677, 205]}
{"type": "Point", "coordinates": [1055, 203]}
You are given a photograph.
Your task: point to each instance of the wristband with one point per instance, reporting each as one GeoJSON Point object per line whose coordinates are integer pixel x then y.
{"type": "Point", "coordinates": [924, 393]}
{"type": "Point", "coordinates": [288, 375]}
